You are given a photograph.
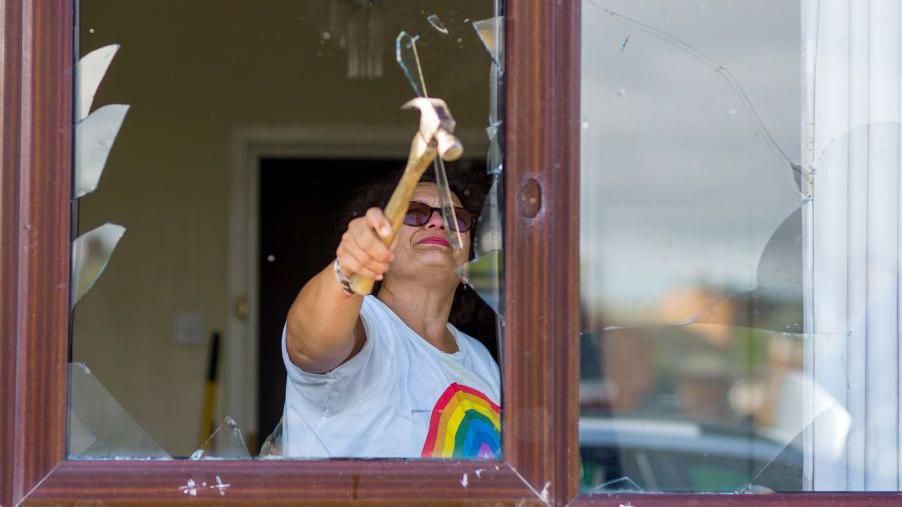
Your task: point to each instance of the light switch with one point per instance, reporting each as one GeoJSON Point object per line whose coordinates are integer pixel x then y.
{"type": "Point", "coordinates": [189, 329]}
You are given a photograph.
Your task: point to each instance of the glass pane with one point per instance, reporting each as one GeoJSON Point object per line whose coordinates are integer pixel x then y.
{"type": "Point", "coordinates": [740, 282]}
{"type": "Point", "coordinates": [237, 142]}
{"type": "Point", "coordinates": [693, 371]}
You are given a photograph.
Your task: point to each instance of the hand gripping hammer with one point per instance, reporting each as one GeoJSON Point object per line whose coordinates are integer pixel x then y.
{"type": "Point", "coordinates": [435, 137]}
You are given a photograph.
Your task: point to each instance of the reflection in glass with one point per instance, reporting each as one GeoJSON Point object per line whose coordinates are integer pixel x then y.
{"type": "Point", "coordinates": [693, 373]}
{"type": "Point", "coordinates": [703, 407]}
{"type": "Point", "coordinates": [485, 273]}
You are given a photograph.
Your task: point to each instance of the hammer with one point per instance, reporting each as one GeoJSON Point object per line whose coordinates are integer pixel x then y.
{"type": "Point", "coordinates": [435, 137]}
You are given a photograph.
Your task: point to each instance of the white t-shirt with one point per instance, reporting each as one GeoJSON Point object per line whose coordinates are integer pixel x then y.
{"type": "Point", "coordinates": [398, 397]}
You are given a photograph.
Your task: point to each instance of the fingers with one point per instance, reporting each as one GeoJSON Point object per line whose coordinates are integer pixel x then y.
{"type": "Point", "coordinates": [362, 250]}
{"type": "Point", "coordinates": [376, 220]}
{"type": "Point", "coordinates": [354, 259]}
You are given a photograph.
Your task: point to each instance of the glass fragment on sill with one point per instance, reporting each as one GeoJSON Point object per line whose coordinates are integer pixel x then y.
{"type": "Point", "coordinates": [99, 428]}
{"type": "Point", "coordinates": [436, 23]}
{"type": "Point", "coordinates": [90, 254]}
{"type": "Point", "coordinates": [227, 442]}
{"type": "Point", "coordinates": [90, 71]}
{"type": "Point", "coordinates": [272, 446]}
{"type": "Point", "coordinates": [94, 138]}
{"type": "Point", "coordinates": [491, 33]}
{"type": "Point", "coordinates": [620, 485]}
{"type": "Point", "coordinates": [754, 489]}
{"type": "Point", "coordinates": [773, 300]}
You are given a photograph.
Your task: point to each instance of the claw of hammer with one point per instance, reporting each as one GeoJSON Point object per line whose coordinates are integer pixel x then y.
{"type": "Point", "coordinates": [436, 123]}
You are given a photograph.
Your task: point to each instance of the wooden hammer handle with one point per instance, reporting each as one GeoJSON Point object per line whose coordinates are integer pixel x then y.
{"type": "Point", "coordinates": [397, 204]}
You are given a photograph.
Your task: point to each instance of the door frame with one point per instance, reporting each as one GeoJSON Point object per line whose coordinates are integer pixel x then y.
{"type": "Point", "coordinates": [248, 146]}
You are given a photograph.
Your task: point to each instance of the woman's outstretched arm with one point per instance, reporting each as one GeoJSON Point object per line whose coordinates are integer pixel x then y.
{"type": "Point", "coordinates": [323, 327]}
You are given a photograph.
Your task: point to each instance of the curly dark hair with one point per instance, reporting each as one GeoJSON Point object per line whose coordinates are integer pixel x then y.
{"type": "Point", "coordinates": [470, 185]}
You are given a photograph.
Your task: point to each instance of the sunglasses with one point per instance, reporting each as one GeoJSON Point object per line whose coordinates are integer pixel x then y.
{"type": "Point", "coordinates": [418, 214]}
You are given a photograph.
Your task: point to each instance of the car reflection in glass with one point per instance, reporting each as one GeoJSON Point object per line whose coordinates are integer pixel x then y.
{"type": "Point", "coordinates": [650, 455]}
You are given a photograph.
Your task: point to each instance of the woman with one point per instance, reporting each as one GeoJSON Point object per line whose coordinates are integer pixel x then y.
{"type": "Point", "coordinates": [387, 375]}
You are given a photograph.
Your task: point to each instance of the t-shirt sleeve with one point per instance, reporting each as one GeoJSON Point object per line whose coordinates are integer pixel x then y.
{"type": "Point", "coordinates": [349, 382]}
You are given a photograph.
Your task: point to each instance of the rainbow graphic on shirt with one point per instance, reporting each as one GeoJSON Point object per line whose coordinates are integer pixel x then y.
{"type": "Point", "coordinates": [464, 424]}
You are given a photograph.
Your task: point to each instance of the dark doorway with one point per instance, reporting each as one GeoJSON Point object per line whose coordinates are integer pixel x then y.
{"type": "Point", "coordinates": [302, 205]}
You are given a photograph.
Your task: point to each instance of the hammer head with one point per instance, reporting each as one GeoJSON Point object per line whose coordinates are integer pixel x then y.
{"type": "Point", "coordinates": [437, 124]}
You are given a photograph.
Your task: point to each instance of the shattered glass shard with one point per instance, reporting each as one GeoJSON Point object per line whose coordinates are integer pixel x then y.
{"type": "Point", "coordinates": [409, 60]}
{"type": "Point", "coordinates": [495, 157]}
{"type": "Point", "coordinates": [90, 254]}
{"type": "Point", "coordinates": [90, 71]}
{"type": "Point", "coordinates": [772, 475]}
{"type": "Point", "coordinates": [447, 204]}
{"type": "Point", "coordinates": [491, 33]}
{"type": "Point", "coordinates": [94, 137]}
{"type": "Point", "coordinates": [99, 428]}
{"type": "Point", "coordinates": [489, 233]}
{"type": "Point", "coordinates": [492, 130]}
{"type": "Point", "coordinates": [272, 446]}
{"type": "Point", "coordinates": [746, 429]}
{"type": "Point", "coordinates": [227, 442]}
{"type": "Point", "coordinates": [436, 23]}
{"type": "Point", "coordinates": [407, 57]}
{"type": "Point", "coordinates": [485, 273]}
{"type": "Point", "coordinates": [485, 276]}
{"type": "Point", "coordinates": [726, 198]}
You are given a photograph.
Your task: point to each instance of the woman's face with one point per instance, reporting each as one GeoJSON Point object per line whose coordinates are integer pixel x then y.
{"type": "Point", "coordinates": [426, 247]}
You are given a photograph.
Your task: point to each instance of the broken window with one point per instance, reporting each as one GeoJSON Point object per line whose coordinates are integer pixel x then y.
{"type": "Point", "coordinates": [693, 371]}
{"type": "Point", "coordinates": [739, 281]}
{"type": "Point", "coordinates": [214, 169]}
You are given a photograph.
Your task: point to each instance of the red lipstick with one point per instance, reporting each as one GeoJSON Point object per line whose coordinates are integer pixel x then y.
{"type": "Point", "coordinates": [434, 240]}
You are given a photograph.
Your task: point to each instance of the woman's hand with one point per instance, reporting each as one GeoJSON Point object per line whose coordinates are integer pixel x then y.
{"type": "Point", "coordinates": [362, 250]}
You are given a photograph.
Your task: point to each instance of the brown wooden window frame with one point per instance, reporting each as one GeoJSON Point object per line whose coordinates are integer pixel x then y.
{"type": "Point", "coordinates": [541, 451]}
